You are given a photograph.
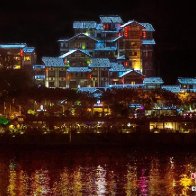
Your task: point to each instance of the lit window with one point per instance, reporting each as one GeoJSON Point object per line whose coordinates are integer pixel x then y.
{"type": "Point", "coordinates": [27, 58]}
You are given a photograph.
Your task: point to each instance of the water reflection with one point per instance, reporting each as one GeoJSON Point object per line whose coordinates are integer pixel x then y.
{"type": "Point", "coordinates": [95, 172]}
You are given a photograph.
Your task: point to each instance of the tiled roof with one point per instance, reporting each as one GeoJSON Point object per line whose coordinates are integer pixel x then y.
{"type": "Point", "coordinates": [129, 71]}
{"type": "Point", "coordinates": [148, 42]}
{"type": "Point", "coordinates": [105, 48]}
{"type": "Point", "coordinates": [147, 26]}
{"type": "Point", "coordinates": [121, 57]}
{"type": "Point", "coordinates": [73, 51]}
{"type": "Point", "coordinates": [88, 89]}
{"type": "Point", "coordinates": [79, 69]}
{"type": "Point", "coordinates": [117, 38]}
{"type": "Point", "coordinates": [38, 66]}
{"type": "Point", "coordinates": [53, 62]}
{"type": "Point", "coordinates": [128, 23]}
{"type": "Point", "coordinates": [153, 80]}
{"type": "Point", "coordinates": [111, 19]}
{"type": "Point", "coordinates": [13, 45]}
{"type": "Point", "coordinates": [171, 88]}
{"type": "Point", "coordinates": [100, 62]}
{"type": "Point", "coordinates": [126, 86]}
{"type": "Point", "coordinates": [99, 27]}
{"type": "Point", "coordinates": [28, 49]}
{"type": "Point", "coordinates": [183, 80]}
{"type": "Point", "coordinates": [115, 67]}
{"type": "Point", "coordinates": [39, 77]}
{"type": "Point", "coordinates": [84, 24]}
{"type": "Point", "coordinates": [79, 35]}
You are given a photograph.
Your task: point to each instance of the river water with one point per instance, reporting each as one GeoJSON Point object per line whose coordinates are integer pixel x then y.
{"type": "Point", "coordinates": [94, 171]}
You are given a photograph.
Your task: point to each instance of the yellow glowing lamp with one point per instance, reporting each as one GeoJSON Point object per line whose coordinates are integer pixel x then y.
{"type": "Point", "coordinates": [185, 181]}
{"type": "Point", "coordinates": [17, 67]}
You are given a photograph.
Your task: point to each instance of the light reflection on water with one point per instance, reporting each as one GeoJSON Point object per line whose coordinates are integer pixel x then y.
{"type": "Point", "coordinates": [95, 172]}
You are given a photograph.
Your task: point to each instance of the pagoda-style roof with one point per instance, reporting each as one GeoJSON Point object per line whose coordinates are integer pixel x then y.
{"type": "Point", "coordinates": [79, 69]}
{"type": "Point", "coordinates": [184, 80]}
{"type": "Point", "coordinates": [121, 57]}
{"type": "Point", "coordinates": [148, 42]}
{"type": "Point", "coordinates": [103, 48]}
{"type": "Point", "coordinates": [76, 36]}
{"type": "Point", "coordinates": [126, 86]}
{"type": "Point", "coordinates": [13, 45]}
{"type": "Point", "coordinates": [53, 62]}
{"type": "Point", "coordinates": [153, 80]}
{"type": "Point", "coordinates": [148, 26]}
{"type": "Point", "coordinates": [111, 19]}
{"type": "Point", "coordinates": [84, 24]}
{"type": "Point", "coordinates": [86, 52]}
{"type": "Point", "coordinates": [29, 49]}
{"type": "Point", "coordinates": [116, 67]}
{"type": "Point", "coordinates": [171, 88]}
{"type": "Point", "coordinates": [131, 22]}
{"type": "Point", "coordinates": [39, 77]}
{"type": "Point", "coordinates": [100, 63]}
{"type": "Point", "coordinates": [115, 39]}
{"type": "Point", "coordinates": [131, 71]}
{"type": "Point", "coordinates": [39, 66]}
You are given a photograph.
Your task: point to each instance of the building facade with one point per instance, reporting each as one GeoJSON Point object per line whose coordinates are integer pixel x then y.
{"type": "Point", "coordinates": [17, 56]}
{"type": "Point", "coordinates": [108, 52]}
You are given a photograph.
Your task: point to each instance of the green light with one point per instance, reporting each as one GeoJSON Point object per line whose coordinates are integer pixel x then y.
{"type": "Point", "coordinates": [3, 121]}
{"type": "Point", "coordinates": [83, 46]}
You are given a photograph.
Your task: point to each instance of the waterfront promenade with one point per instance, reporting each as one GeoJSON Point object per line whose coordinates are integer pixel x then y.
{"type": "Point", "coordinates": [122, 132]}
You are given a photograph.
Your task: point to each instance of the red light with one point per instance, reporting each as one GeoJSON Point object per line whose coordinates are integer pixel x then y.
{"type": "Point", "coordinates": [21, 53]}
{"type": "Point", "coordinates": [126, 63]}
{"type": "Point", "coordinates": [126, 32]}
{"type": "Point", "coordinates": [90, 76]}
{"type": "Point", "coordinates": [144, 34]}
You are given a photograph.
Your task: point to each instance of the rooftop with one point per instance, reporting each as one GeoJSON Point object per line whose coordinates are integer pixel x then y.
{"type": "Point", "coordinates": [130, 71]}
{"type": "Point", "coordinates": [148, 42]}
{"type": "Point", "coordinates": [171, 88]}
{"type": "Point", "coordinates": [153, 80]}
{"type": "Point", "coordinates": [79, 69]}
{"type": "Point", "coordinates": [78, 35]}
{"type": "Point", "coordinates": [13, 45]}
{"type": "Point", "coordinates": [73, 51]}
{"type": "Point", "coordinates": [100, 62]}
{"type": "Point", "coordinates": [84, 24]}
{"type": "Point", "coordinates": [111, 19]}
{"type": "Point", "coordinates": [126, 86]}
{"type": "Point", "coordinates": [53, 62]}
{"type": "Point", "coordinates": [147, 26]}
{"type": "Point", "coordinates": [115, 67]}
{"type": "Point", "coordinates": [39, 66]}
{"type": "Point", "coordinates": [28, 49]}
{"type": "Point", "coordinates": [183, 80]}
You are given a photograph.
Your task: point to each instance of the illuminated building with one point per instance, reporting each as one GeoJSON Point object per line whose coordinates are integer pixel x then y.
{"type": "Point", "coordinates": [55, 72]}
{"type": "Point", "coordinates": [187, 84]}
{"type": "Point", "coordinates": [17, 56]}
{"type": "Point", "coordinates": [39, 74]}
{"type": "Point", "coordinates": [108, 52]}
{"type": "Point", "coordinates": [153, 82]}
{"type": "Point", "coordinates": [78, 73]}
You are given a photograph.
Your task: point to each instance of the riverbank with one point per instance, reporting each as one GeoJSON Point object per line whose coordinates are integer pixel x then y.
{"type": "Point", "coordinates": [142, 140]}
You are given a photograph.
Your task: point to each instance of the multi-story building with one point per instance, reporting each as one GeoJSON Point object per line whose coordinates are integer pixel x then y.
{"type": "Point", "coordinates": [108, 52]}
{"type": "Point", "coordinates": [17, 56]}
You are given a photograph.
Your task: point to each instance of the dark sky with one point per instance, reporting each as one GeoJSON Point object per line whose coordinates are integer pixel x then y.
{"type": "Point", "coordinates": [41, 22]}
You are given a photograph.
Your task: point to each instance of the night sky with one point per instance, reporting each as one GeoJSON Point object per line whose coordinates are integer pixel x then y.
{"type": "Point", "coordinates": [41, 23]}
